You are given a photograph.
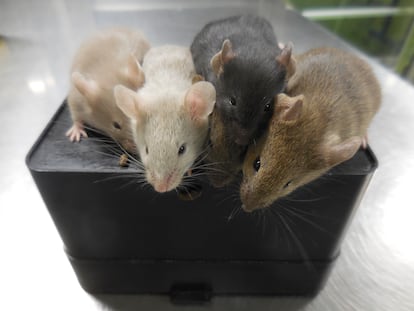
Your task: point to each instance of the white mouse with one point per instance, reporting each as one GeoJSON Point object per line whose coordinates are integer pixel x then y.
{"type": "Point", "coordinates": [107, 59]}
{"type": "Point", "coordinates": [169, 115]}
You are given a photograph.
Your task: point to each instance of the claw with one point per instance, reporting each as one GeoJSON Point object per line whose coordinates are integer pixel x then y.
{"type": "Point", "coordinates": [76, 132]}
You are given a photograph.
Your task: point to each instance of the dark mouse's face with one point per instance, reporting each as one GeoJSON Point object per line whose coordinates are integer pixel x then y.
{"type": "Point", "coordinates": [224, 156]}
{"type": "Point", "coordinates": [246, 101]}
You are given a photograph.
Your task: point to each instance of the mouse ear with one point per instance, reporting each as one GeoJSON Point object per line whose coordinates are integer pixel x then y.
{"type": "Point", "coordinates": [221, 58]}
{"type": "Point", "coordinates": [88, 88]}
{"type": "Point", "coordinates": [289, 109]}
{"type": "Point", "coordinates": [338, 153]}
{"type": "Point", "coordinates": [197, 78]}
{"type": "Point", "coordinates": [127, 100]}
{"type": "Point", "coordinates": [199, 100]}
{"type": "Point", "coordinates": [285, 59]}
{"type": "Point", "coordinates": [134, 73]}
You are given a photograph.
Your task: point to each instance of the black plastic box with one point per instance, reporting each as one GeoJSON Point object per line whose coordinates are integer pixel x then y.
{"type": "Point", "coordinates": [122, 238]}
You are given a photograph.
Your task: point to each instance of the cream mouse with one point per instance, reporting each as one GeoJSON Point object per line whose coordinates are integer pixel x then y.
{"type": "Point", "coordinates": [169, 115]}
{"type": "Point", "coordinates": [107, 59]}
{"type": "Point", "coordinates": [323, 121]}
{"type": "Point", "coordinates": [241, 57]}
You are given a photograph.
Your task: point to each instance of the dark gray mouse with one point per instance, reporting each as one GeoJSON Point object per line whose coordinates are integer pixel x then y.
{"type": "Point", "coordinates": [224, 158]}
{"type": "Point", "coordinates": [241, 57]}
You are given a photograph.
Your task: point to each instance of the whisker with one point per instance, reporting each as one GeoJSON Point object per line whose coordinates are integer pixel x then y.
{"type": "Point", "coordinates": [299, 245]}
{"type": "Point", "coordinates": [281, 226]}
{"type": "Point", "coordinates": [133, 176]}
{"type": "Point", "coordinates": [307, 221]}
{"type": "Point", "coordinates": [287, 198]}
{"type": "Point", "coordinates": [262, 214]}
{"type": "Point", "coordinates": [234, 212]}
{"type": "Point", "coordinates": [305, 212]}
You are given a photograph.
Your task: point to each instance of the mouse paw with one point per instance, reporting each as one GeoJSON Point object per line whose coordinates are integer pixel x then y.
{"type": "Point", "coordinates": [76, 132]}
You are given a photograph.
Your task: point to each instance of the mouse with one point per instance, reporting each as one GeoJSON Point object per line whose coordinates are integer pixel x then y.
{"type": "Point", "coordinates": [224, 157]}
{"type": "Point", "coordinates": [108, 58]}
{"type": "Point", "coordinates": [241, 57]}
{"type": "Point", "coordinates": [321, 121]}
{"type": "Point", "coordinates": [168, 115]}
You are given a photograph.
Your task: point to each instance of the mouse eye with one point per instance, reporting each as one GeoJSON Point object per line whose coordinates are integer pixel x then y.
{"type": "Point", "coordinates": [269, 105]}
{"type": "Point", "coordinates": [146, 149]}
{"type": "Point", "coordinates": [287, 184]}
{"type": "Point", "coordinates": [256, 164]}
{"type": "Point", "coordinates": [232, 101]}
{"type": "Point", "coordinates": [181, 150]}
{"type": "Point", "coordinates": [116, 125]}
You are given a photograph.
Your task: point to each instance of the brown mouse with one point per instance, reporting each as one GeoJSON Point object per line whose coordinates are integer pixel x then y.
{"type": "Point", "coordinates": [332, 98]}
{"type": "Point", "coordinates": [108, 58]}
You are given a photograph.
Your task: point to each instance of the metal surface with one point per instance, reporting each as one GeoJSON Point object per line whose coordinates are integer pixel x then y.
{"type": "Point", "coordinates": [376, 268]}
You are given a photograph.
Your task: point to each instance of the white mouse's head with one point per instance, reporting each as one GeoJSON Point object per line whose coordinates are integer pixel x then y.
{"type": "Point", "coordinates": [169, 130]}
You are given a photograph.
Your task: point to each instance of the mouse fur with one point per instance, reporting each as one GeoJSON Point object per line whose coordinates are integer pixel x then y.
{"type": "Point", "coordinates": [225, 157]}
{"type": "Point", "coordinates": [169, 115]}
{"type": "Point", "coordinates": [332, 97]}
{"type": "Point", "coordinates": [241, 57]}
{"type": "Point", "coordinates": [108, 58]}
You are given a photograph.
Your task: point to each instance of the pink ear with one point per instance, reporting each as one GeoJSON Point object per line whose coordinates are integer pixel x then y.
{"type": "Point", "coordinates": [286, 59]}
{"type": "Point", "coordinates": [135, 74]}
{"type": "Point", "coordinates": [341, 152]}
{"type": "Point", "coordinates": [221, 58]}
{"type": "Point", "coordinates": [88, 88]}
{"type": "Point", "coordinates": [289, 109]}
{"type": "Point", "coordinates": [227, 53]}
{"type": "Point", "coordinates": [284, 56]}
{"type": "Point", "coordinates": [197, 78]}
{"type": "Point", "coordinates": [129, 103]}
{"type": "Point", "coordinates": [200, 100]}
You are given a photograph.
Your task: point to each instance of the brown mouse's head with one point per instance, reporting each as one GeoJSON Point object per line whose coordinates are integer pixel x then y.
{"type": "Point", "coordinates": [293, 152]}
{"type": "Point", "coordinates": [101, 107]}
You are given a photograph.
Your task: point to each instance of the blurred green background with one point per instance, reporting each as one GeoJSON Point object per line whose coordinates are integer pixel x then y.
{"type": "Point", "coordinates": [383, 29]}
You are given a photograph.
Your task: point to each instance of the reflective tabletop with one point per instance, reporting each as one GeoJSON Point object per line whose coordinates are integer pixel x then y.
{"type": "Point", "coordinates": [375, 270]}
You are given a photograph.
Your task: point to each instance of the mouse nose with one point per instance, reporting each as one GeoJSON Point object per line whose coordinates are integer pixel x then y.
{"type": "Point", "coordinates": [161, 187]}
{"type": "Point", "coordinates": [165, 184]}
